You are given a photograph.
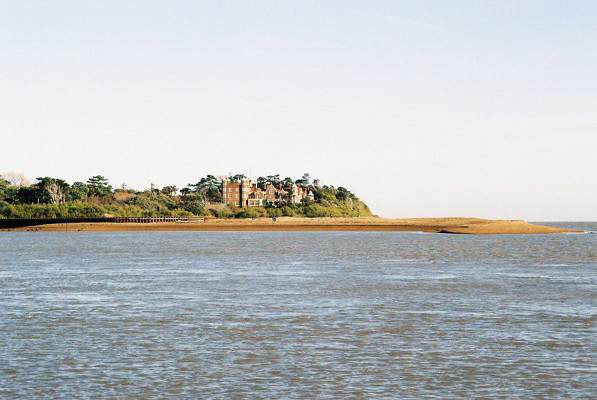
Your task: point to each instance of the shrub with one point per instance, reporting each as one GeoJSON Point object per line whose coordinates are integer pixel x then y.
{"type": "Point", "coordinates": [79, 209]}
{"type": "Point", "coordinates": [153, 201]}
{"type": "Point", "coordinates": [124, 211]}
{"type": "Point", "coordinates": [193, 207]}
{"type": "Point", "coordinates": [274, 212]}
{"type": "Point", "coordinates": [181, 213]}
{"type": "Point", "coordinates": [7, 210]}
{"type": "Point", "coordinates": [221, 213]}
{"type": "Point", "coordinates": [251, 212]}
{"type": "Point", "coordinates": [288, 212]}
{"type": "Point", "coordinates": [316, 211]}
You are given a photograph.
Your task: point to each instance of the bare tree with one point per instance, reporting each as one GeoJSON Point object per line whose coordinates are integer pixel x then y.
{"type": "Point", "coordinates": [54, 192]}
{"type": "Point", "coordinates": [16, 179]}
{"type": "Point", "coordinates": [54, 188]}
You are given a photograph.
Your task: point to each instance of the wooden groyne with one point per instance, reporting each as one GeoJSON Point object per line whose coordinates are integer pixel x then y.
{"type": "Point", "coordinates": [9, 223]}
{"type": "Point", "coordinates": [147, 220]}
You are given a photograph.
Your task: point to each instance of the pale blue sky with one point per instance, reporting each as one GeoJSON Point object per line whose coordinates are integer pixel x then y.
{"type": "Point", "coordinates": [422, 108]}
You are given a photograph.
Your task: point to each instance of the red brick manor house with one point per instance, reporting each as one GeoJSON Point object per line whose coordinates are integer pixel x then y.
{"type": "Point", "coordinates": [246, 193]}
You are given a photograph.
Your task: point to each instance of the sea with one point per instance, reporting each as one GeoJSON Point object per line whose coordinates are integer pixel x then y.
{"type": "Point", "coordinates": [298, 315]}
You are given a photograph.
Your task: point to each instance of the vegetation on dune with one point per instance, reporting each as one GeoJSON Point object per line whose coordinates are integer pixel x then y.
{"type": "Point", "coordinates": [55, 198]}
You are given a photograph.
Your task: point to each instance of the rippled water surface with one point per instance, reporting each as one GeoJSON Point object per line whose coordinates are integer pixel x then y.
{"type": "Point", "coordinates": [297, 315]}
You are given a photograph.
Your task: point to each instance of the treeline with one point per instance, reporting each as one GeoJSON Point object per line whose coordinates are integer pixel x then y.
{"type": "Point", "coordinates": [55, 198]}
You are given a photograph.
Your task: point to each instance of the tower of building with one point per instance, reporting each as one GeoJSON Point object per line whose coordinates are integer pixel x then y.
{"type": "Point", "coordinates": [225, 189]}
{"type": "Point", "coordinates": [245, 188]}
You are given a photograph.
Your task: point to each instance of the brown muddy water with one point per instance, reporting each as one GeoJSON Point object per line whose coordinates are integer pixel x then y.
{"type": "Point", "coordinates": [297, 315]}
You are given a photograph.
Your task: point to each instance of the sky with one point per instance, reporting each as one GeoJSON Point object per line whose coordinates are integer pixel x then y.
{"type": "Point", "coordinates": [421, 108]}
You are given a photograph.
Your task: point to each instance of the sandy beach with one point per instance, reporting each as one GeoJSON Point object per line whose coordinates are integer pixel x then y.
{"type": "Point", "coordinates": [440, 225]}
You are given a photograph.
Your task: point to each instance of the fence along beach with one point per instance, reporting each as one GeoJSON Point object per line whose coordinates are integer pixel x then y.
{"type": "Point", "coordinates": [10, 223]}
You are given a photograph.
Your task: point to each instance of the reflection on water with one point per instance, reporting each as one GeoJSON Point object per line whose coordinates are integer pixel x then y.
{"type": "Point", "coordinates": [297, 315]}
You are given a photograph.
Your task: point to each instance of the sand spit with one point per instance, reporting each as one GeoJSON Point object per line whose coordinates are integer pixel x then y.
{"type": "Point", "coordinates": [438, 225]}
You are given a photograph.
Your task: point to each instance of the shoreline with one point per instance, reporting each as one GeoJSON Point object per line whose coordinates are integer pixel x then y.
{"type": "Point", "coordinates": [475, 226]}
